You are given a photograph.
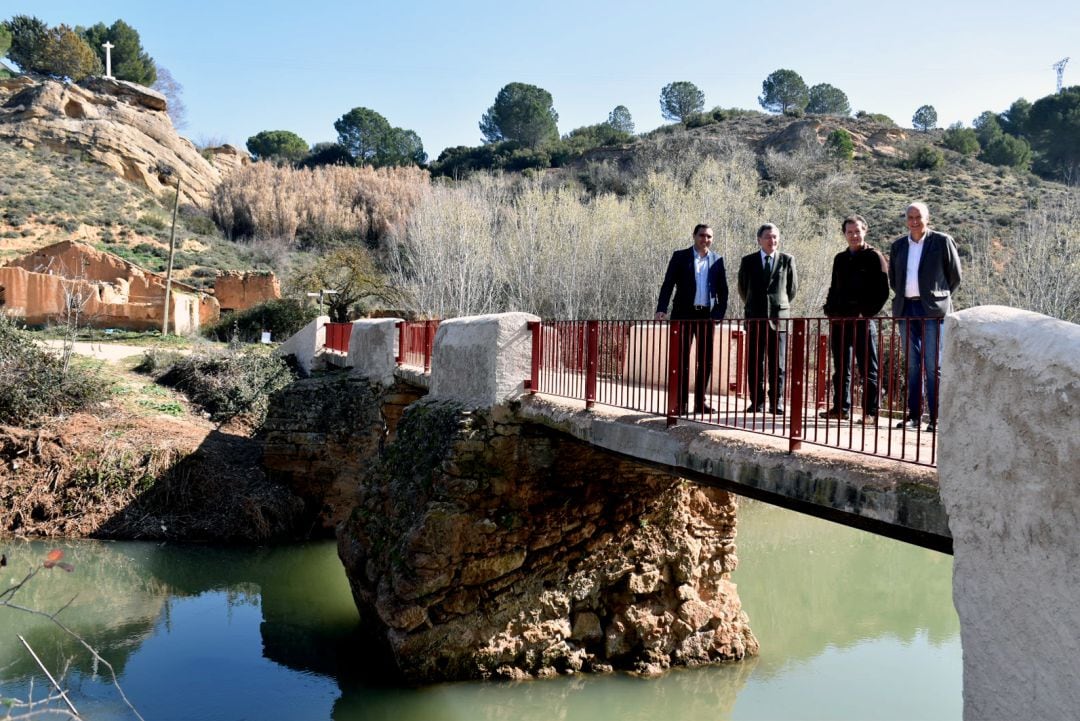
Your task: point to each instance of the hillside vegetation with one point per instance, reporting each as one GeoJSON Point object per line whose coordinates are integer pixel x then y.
{"type": "Point", "coordinates": [589, 239]}
{"type": "Point", "coordinates": [46, 197]}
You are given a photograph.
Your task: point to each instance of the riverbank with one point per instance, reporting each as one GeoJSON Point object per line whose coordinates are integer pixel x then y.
{"type": "Point", "coordinates": [145, 464]}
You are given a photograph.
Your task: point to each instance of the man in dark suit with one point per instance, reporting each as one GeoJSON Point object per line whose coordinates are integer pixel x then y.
{"type": "Point", "coordinates": [857, 291]}
{"type": "Point", "coordinates": [767, 284]}
{"type": "Point", "coordinates": [697, 276]}
{"type": "Point", "coordinates": [924, 272]}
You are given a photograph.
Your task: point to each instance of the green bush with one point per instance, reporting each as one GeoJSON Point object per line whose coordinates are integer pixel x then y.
{"type": "Point", "coordinates": [840, 145]}
{"type": "Point", "coordinates": [156, 361]}
{"type": "Point", "coordinates": [1007, 151]}
{"type": "Point", "coordinates": [876, 118]}
{"type": "Point", "coordinates": [963, 140]}
{"type": "Point", "coordinates": [924, 157]}
{"type": "Point", "coordinates": [230, 383]}
{"type": "Point", "coordinates": [153, 221]}
{"type": "Point", "coordinates": [282, 318]}
{"type": "Point", "coordinates": [201, 225]}
{"type": "Point", "coordinates": [34, 384]}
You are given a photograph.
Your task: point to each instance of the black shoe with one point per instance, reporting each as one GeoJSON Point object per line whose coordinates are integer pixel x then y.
{"type": "Point", "coordinates": [835, 413]}
{"type": "Point", "coordinates": [931, 427]}
{"type": "Point", "coordinates": [909, 424]}
{"type": "Point", "coordinates": [777, 410]}
{"type": "Point", "coordinates": [752, 408]}
{"type": "Point", "coordinates": [706, 408]}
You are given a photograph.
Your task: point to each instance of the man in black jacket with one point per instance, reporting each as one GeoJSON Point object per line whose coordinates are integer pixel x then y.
{"type": "Point", "coordinates": [697, 276]}
{"type": "Point", "coordinates": [859, 289]}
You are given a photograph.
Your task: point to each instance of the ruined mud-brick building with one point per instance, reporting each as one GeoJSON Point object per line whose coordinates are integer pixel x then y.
{"type": "Point", "coordinates": [238, 290]}
{"type": "Point", "coordinates": [50, 284]}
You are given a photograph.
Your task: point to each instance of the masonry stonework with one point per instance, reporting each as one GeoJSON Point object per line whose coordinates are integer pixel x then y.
{"type": "Point", "coordinates": [482, 546]}
{"type": "Point", "coordinates": [321, 435]}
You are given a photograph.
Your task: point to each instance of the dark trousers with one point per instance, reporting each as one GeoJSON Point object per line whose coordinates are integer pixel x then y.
{"type": "Point", "coordinates": [699, 331]}
{"type": "Point", "coordinates": [766, 351]}
{"type": "Point", "coordinates": [854, 338]}
{"type": "Point", "coordinates": [923, 353]}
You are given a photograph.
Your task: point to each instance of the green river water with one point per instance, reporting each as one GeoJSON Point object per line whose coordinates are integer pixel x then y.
{"type": "Point", "coordinates": [851, 625]}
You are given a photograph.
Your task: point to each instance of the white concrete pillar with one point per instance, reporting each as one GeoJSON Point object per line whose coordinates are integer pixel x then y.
{"type": "Point", "coordinates": [372, 344]}
{"type": "Point", "coordinates": [307, 343]}
{"type": "Point", "coordinates": [482, 361]}
{"type": "Point", "coordinates": [1009, 463]}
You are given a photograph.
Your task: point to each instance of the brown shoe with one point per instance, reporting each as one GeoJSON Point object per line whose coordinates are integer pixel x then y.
{"type": "Point", "coordinates": [835, 413]}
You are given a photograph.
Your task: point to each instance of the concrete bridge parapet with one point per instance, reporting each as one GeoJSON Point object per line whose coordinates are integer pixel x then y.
{"type": "Point", "coordinates": [1009, 454]}
{"type": "Point", "coordinates": [371, 349]}
{"type": "Point", "coordinates": [482, 361]}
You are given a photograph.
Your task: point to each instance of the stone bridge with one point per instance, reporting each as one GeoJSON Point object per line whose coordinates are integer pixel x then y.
{"type": "Point", "coordinates": [1004, 500]}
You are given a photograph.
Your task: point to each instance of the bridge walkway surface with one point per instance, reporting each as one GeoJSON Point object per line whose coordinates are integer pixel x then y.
{"type": "Point", "coordinates": [878, 494]}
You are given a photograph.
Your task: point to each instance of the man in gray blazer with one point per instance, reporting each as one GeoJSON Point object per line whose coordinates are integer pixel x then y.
{"type": "Point", "coordinates": [767, 284]}
{"type": "Point", "coordinates": [924, 272]}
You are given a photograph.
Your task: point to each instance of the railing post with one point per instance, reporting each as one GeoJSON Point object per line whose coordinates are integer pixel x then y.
{"type": "Point", "coordinates": [400, 359]}
{"type": "Point", "coordinates": [822, 368]}
{"type": "Point", "coordinates": [429, 343]}
{"type": "Point", "coordinates": [797, 376]}
{"type": "Point", "coordinates": [740, 361]}
{"type": "Point", "coordinates": [532, 384]}
{"type": "Point", "coordinates": [674, 370]}
{"type": "Point", "coordinates": [592, 357]}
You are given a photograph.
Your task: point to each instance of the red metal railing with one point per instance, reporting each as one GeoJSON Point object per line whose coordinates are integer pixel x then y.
{"type": "Point", "coordinates": [416, 339]}
{"type": "Point", "coordinates": [651, 367]}
{"type": "Point", "coordinates": [337, 336]}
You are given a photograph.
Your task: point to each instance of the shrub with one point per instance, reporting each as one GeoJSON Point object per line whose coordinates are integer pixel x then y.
{"type": "Point", "coordinates": [201, 225]}
{"type": "Point", "coordinates": [963, 140]}
{"type": "Point", "coordinates": [230, 383]}
{"type": "Point", "coordinates": [924, 157]}
{"type": "Point", "coordinates": [840, 145]}
{"type": "Point", "coordinates": [1007, 151]}
{"type": "Point", "coordinates": [34, 383]}
{"type": "Point", "coordinates": [282, 318]}
{"type": "Point", "coordinates": [876, 118]}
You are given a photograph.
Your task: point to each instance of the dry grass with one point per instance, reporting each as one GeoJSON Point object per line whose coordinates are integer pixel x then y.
{"type": "Point", "coordinates": [318, 205]}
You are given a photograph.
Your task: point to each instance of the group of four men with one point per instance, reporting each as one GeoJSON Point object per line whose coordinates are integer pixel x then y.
{"type": "Point", "coordinates": [923, 271]}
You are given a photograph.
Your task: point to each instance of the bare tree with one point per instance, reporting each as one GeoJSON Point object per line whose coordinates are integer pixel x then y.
{"type": "Point", "coordinates": [488, 245]}
{"type": "Point", "coordinates": [173, 91]}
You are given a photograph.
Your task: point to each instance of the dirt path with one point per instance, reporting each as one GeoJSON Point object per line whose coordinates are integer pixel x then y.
{"type": "Point", "coordinates": [111, 352]}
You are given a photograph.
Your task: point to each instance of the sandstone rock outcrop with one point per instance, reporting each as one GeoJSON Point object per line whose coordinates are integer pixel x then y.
{"type": "Point", "coordinates": [119, 124]}
{"type": "Point", "coordinates": [802, 133]}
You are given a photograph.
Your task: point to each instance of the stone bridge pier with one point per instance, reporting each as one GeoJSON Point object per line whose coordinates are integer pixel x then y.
{"type": "Point", "coordinates": [479, 544]}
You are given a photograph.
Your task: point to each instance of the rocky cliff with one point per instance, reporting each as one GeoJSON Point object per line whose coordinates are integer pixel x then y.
{"type": "Point", "coordinates": [121, 125]}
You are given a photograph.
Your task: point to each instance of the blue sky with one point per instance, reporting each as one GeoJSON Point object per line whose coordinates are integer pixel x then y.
{"type": "Point", "coordinates": [436, 66]}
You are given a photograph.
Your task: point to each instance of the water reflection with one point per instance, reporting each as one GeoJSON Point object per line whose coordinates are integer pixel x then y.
{"type": "Point", "coordinates": [810, 584]}
{"type": "Point", "coordinates": [851, 626]}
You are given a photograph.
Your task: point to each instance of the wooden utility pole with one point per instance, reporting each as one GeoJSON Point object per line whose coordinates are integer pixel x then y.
{"type": "Point", "coordinates": [172, 251]}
